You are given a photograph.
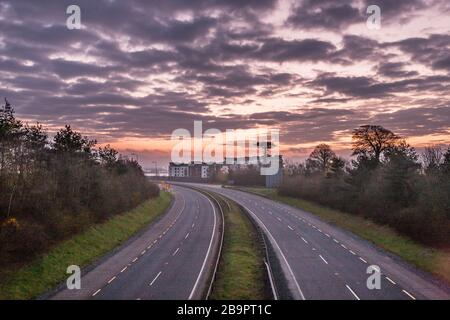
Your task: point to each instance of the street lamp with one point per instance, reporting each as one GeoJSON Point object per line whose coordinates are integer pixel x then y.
{"type": "Point", "coordinates": [156, 168]}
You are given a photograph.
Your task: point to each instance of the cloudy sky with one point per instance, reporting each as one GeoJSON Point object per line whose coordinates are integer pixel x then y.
{"type": "Point", "coordinates": [139, 69]}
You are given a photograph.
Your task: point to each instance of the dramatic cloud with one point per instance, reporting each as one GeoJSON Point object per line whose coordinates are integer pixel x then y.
{"type": "Point", "coordinates": [139, 69]}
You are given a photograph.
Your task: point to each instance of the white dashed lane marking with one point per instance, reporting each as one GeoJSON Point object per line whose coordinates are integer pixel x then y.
{"type": "Point", "coordinates": [175, 252]}
{"type": "Point", "coordinates": [153, 281]}
{"type": "Point", "coordinates": [112, 279]}
{"type": "Point", "coordinates": [353, 293]}
{"type": "Point", "coordinates": [409, 294]}
{"type": "Point", "coordinates": [323, 259]}
{"type": "Point", "coordinates": [96, 292]}
{"type": "Point", "coordinates": [390, 280]}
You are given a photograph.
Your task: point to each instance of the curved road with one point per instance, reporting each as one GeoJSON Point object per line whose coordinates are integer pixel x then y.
{"type": "Point", "coordinates": [172, 259]}
{"type": "Point", "coordinates": [321, 261]}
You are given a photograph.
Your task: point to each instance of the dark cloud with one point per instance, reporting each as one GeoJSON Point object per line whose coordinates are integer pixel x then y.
{"type": "Point", "coordinates": [325, 14]}
{"type": "Point", "coordinates": [431, 51]}
{"type": "Point", "coordinates": [279, 50]}
{"type": "Point", "coordinates": [395, 70]}
{"type": "Point", "coordinates": [364, 87]}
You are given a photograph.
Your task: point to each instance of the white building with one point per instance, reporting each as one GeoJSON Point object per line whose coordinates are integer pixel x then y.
{"type": "Point", "coordinates": [178, 171]}
{"type": "Point", "coordinates": [205, 172]}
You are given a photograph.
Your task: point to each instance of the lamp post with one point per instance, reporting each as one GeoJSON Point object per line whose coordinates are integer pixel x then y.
{"type": "Point", "coordinates": [156, 168]}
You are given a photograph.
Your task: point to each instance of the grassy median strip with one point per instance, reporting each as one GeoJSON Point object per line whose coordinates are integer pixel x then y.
{"type": "Point", "coordinates": [241, 274]}
{"type": "Point", "coordinates": [433, 260]}
{"type": "Point", "coordinates": [84, 248]}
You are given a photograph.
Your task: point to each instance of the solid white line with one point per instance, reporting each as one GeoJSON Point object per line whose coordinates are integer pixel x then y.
{"type": "Point", "coordinates": [151, 283]}
{"type": "Point", "coordinates": [176, 251]}
{"type": "Point", "coordinates": [390, 280]}
{"type": "Point", "coordinates": [208, 252]}
{"type": "Point", "coordinates": [362, 260]}
{"type": "Point", "coordinates": [123, 269]}
{"type": "Point", "coordinates": [290, 228]}
{"type": "Point", "coordinates": [279, 249]}
{"type": "Point", "coordinates": [95, 293]}
{"type": "Point", "coordinates": [323, 259]}
{"type": "Point", "coordinates": [409, 294]}
{"type": "Point", "coordinates": [354, 294]}
{"type": "Point", "coordinates": [112, 279]}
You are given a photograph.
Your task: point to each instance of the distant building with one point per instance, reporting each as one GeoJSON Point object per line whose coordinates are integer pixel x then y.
{"type": "Point", "coordinates": [178, 170]}
{"type": "Point", "coordinates": [204, 172]}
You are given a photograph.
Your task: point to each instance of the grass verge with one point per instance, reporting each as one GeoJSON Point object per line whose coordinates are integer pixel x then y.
{"type": "Point", "coordinates": [241, 274]}
{"type": "Point", "coordinates": [48, 271]}
{"type": "Point", "coordinates": [433, 260]}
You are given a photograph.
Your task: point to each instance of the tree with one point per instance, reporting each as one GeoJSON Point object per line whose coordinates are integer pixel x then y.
{"type": "Point", "coordinates": [445, 166]}
{"type": "Point", "coordinates": [337, 165]}
{"type": "Point", "coordinates": [320, 158]}
{"type": "Point", "coordinates": [401, 172]}
{"type": "Point", "coordinates": [371, 141]}
{"type": "Point", "coordinates": [432, 158]}
{"type": "Point", "coordinates": [67, 140]}
{"type": "Point", "coordinates": [107, 155]}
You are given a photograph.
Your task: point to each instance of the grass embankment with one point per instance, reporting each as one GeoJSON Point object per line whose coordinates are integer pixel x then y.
{"type": "Point", "coordinates": [433, 260]}
{"type": "Point", "coordinates": [241, 274]}
{"type": "Point", "coordinates": [49, 270]}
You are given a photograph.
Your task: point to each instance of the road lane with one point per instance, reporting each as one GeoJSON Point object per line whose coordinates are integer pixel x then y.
{"type": "Point", "coordinates": [330, 263]}
{"type": "Point", "coordinates": [171, 260]}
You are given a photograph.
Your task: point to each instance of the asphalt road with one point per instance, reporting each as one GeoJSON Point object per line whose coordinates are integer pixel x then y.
{"type": "Point", "coordinates": [172, 259]}
{"type": "Point", "coordinates": [321, 261]}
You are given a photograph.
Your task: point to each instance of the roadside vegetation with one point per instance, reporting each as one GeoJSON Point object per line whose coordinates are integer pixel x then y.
{"type": "Point", "coordinates": [53, 189]}
{"type": "Point", "coordinates": [47, 271]}
{"type": "Point", "coordinates": [386, 181]}
{"type": "Point", "coordinates": [241, 274]}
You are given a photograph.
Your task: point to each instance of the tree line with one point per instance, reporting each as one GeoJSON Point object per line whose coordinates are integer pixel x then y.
{"type": "Point", "coordinates": [53, 188]}
{"type": "Point", "coordinates": [387, 181]}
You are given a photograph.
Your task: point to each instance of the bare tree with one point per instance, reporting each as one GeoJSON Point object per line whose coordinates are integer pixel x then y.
{"type": "Point", "coordinates": [432, 157]}
{"type": "Point", "coordinates": [321, 157]}
{"type": "Point", "coordinates": [371, 141]}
